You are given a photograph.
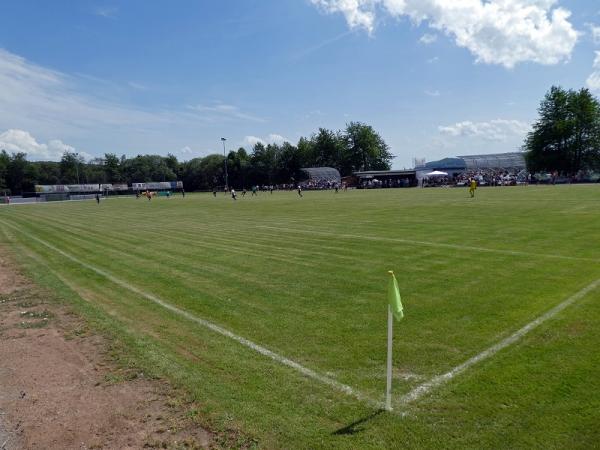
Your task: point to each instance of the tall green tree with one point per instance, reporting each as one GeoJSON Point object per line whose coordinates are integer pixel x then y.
{"type": "Point", "coordinates": [71, 165]}
{"type": "Point", "coordinates": [327, 148]}
{"type": "Point", "coordinates": [364, 149]}
{"type": "Point", "coordinates": [112, 168]}
{"type": "Point", "coordinates": [566, 137]}
{"type": "Point", "coordinates": [20, 174]}
{"type": "Point", "coordinates": [4, 162]}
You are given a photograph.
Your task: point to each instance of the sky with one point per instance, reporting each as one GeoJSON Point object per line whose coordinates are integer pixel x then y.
{"type": "Point", "coordinates": [435, 78]}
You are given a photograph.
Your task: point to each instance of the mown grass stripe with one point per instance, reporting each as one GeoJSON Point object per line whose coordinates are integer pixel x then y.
{"type": "Point", "coordinates": [439, 380]}
{"type": "Point", "coordinates": [431, 244]}
{"type": "Point", "coordinates": [207, 324]}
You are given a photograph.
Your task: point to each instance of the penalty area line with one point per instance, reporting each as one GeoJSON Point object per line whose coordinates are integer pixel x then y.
{"type": "Point", "coordinates": [209, 325]}
{"type": "Point", "coordinates": [439, 380]}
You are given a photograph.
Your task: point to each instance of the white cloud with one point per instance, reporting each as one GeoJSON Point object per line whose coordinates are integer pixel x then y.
{"type": "Point", "coordinates": [108, 12]}
{"type": "Point", "coordinates": [435, 93]}
{"type": "Point", "coordinates": [494, 130]}
{"type": "Point", "coordinates": [16, 141]}
{"type": "Point", "coordinates": [595, 32]}
{"type": "Point", "coordinates": [49, 103]}
{"type": "Point", "coordinates": [224, 111]}
{"type": "Point", "coordinates": [433, 60]}
{"type": "Point", "coordinates": [358, 13]}
{"type": "Point", "coordinates": [186, 150]}
{"type": "Point", "coordinates": [138, 86]}
{"type": "Point", "coordinates": [34, 98]}
{"type": "Point", "coordinates": [276, 139]}
{"type": "Point", "coordinates": [593, 81]}
{"type": "Point", "coordinates": [251, 141]}
{"type": "Point", "coordinates": [504, 32]}
{"type": "Point", "coordinates": [428, 38]}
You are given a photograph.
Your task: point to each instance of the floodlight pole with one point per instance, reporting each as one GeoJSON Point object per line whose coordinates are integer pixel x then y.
{"type": "Point", "coordinates": [225, 156]}
{"type": "Point", "coordinates": [388, 389]}
{"type": "Point", "coordinates": [77, 166]}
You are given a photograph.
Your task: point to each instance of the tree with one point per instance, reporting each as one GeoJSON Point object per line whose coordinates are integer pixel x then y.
{"type": "Point", "coordinates": [20, 174]}
{"type": "Point", "coordinates": [112, 168]}
{"type": "Point", "coordinates": [566, 137]}
{"type": "Point", "coordinates": [4, 162]}
{"type": "Point", "coordinates": [364, 149]}
{"type": "Point", "coordinates": [327, 148]}
{"type": "Point", "coordinates": [70, 168]}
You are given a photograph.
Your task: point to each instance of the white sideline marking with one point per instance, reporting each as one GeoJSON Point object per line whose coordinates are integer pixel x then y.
{"type": "Point", "coordinates": [430, 244]}
{"type": "Point", "coordinates": [435, 382]}
{"type": "Point", "coordinates": [211, 326]}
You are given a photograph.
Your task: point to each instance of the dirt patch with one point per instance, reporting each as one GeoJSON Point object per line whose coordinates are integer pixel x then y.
{"type": "Point", "coordinates": [10, 280]}
{"type": "Point", "coordinates": [59, 388]}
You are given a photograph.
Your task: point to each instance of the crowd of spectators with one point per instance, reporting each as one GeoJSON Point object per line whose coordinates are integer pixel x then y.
{"type": "Point", "coordinates": [491, 177]}
{"type": "Point", "coordinates": [320, 184]}
{"type": "Point", "coordinates": [387, 183]}
{"type": "Point", "coordinates": [504, 177]}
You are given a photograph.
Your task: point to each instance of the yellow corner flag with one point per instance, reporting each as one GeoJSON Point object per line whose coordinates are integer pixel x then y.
{"type": "Point", "coordinates": [394, 297]}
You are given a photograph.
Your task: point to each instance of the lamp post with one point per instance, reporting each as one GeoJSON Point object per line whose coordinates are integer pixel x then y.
{"type": "Point", "coordinates": [225, 156]}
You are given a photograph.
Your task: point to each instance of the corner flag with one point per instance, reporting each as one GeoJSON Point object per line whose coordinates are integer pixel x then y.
{"type": "Point", "coordinates": [394, 297]}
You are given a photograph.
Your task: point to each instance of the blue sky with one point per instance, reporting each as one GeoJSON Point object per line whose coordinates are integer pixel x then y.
{"type": "Point", "coordinates": [435, 78]}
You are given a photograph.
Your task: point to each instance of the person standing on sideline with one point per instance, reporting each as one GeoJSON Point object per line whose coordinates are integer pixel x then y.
{"type": "Point", "coordinates": [300, 190]}
{"type": "Point", "coordinates": [472, 187]}
{"type": "Point", "coordinates": [215, 192]}
{"type": "Point", "coordinates": [97, 198]}
{"type": "Point", "coordinates": [183, 192]}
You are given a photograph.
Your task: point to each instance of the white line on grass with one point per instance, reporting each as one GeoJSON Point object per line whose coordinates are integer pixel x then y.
{"type": "Point", "coordinates": [211, 326]}
{"type": "Point", "coordinates": [437, 381]}
{"type": "Point", "coordinates": [429, 244]}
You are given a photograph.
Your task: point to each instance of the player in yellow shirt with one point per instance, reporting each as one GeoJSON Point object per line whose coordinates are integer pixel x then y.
{"type": "Point", "coordinates": [472, 187]}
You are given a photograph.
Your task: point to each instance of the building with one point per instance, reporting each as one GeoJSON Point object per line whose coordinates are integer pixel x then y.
{"type": "Point", "coordinates": [386, 178]}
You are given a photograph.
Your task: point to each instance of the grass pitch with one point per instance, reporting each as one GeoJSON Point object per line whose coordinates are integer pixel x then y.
{"type": "Point", "coordinates": [306, 278]}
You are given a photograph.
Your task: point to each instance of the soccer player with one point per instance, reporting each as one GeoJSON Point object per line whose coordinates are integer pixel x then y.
{"type": "Point", "coordinates": [300, 190]}
{"type": "Point", "coordinates": [233, 194]}
{"type": "Point", "coordinates": [254, 188]}
{"type": "Point", "coordinates": [98, 198]}
{"type": "Point", "coordinates": [472, 187]}
{"type": "Point", "coordinates": [244, 192]}
{"type": "Point", "coordinates": [215, 192]}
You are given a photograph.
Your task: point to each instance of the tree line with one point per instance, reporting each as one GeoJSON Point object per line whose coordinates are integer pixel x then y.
{"type": "Point", "coordinates": [357, 147]}
{"type": "Point", "coordinates": [566, 137]}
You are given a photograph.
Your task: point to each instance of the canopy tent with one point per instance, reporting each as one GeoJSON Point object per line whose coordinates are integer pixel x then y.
{"type": "Point", "coordinates": [437, 173]}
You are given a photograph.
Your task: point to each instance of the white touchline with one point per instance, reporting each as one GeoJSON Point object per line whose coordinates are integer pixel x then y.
{"type": "Point", "coordinates": [211, 326]}
{"type": "Point", "coordinates": [427, 387]}
{"type": "Point", "coordinates": [431, 244]}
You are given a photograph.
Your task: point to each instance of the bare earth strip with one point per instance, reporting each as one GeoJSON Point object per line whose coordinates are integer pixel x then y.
{"type": "Point", "coordinates": [59, 389]}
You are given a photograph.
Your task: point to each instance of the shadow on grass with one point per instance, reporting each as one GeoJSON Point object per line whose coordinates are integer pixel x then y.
{"type": "Point", "coordinates": [354, 428]}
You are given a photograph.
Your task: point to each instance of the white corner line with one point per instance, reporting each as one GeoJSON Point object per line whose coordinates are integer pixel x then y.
{"type": "Point", "coordinates": [210, 325]}
{"type": "Point", "coordinates": [437, 381]}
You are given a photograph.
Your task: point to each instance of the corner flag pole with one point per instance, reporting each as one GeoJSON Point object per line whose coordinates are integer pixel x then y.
{"type": "Point", "coordinates": [395, 310]}
{"type": "Point", "coordinates": [388, 390]}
